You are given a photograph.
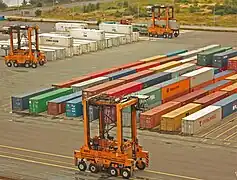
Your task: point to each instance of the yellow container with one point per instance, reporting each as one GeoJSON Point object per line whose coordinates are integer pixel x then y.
{"type": "Point", "coordinates": [153, 58]}
{"type": "Point", "coordinates": [172, 120]}
{"type": "Point", "coordinates": [232, 78]}
{"type": "Point", "coordinates": [165, 66]}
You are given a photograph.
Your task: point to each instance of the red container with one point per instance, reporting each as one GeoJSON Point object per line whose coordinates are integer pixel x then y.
{"type": "Point", "coordinates": [56, 108]}
{"type": "Point", "coordinates": [125, 66]}
{"type": "Point", "coordinates": [68, 84]}
{"type": "Point", "coordinates": [169, 59]}
{"type": "Point", "coordinates": [232, 64]}
{"type": "Point", "coordinates": [190, 97]}
{"type": "Point", "coordinates": [101, 87]}
{"type": "Point", "coordinates": [138, 75]}
{"type": "Point", "coordinates": [199, 67]}
{"type": "Point", "coordinates": [146, 66]}
{"type": "Point", "coordinates": [152, 118]}
{"type": "Point", "coordinates": [104, 72]}
{"type": "Point", "coordinates": [211, 98]}
{"type": "Point", "coordinates": [124, 89]}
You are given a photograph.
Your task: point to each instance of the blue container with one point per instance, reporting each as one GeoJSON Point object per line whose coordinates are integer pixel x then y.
{"type": "Point", "coordinates": [175, 53]}
{"type": "Point", "coordinates": [216, 85]}
{"type": "Point", "coordinates": [2, 18]}
{"type": "Point", "coordinates": [221, 59]}
{"type": "Point", "coordinates": [74, 108]}
{"type": "Point", "coordinates": [67, 97]}
{"type": "Point", "coordinates": [119, 74]}
{"type": "Point", "coordinates": [223, 73]}
{"type": "Point", "coordinates": [154, 79]}
{"type": "Point", "coordinates": [21, 102]}
{"type": "Point", "coordinates": [228, 105]}
{"type": "Point", "coordinates": [216, 70]}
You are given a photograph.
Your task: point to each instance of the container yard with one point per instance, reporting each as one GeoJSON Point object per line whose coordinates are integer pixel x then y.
{"type": "Point", "coordinates": [185, 107]}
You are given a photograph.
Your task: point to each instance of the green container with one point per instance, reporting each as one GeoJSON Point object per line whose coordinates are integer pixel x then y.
{"type": "Point", "coordinates": [39, 103]}
{"type": "Point", "coordinates": [205, 58]}
{"type": "Point", "coordinates": [154, 99]}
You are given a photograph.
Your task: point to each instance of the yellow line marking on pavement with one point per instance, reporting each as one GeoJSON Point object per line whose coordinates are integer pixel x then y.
{"type": "Point", "coordinates": [37, 152]}
{"type": "Point", "coordinates": [225, 131]}
{"type": "Point", "coordinates": [26, 156]}
{"type": "Point", "coordinates": [230, 136]}
{"type": "Point", "coordinates": [216, 129]}
{"type": "Point", "coordinates": [68, 157]}
{"type": "Point", "coordinates": [173, 175]}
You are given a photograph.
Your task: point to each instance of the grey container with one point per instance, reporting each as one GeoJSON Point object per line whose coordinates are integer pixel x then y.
{"type": "Point", "coordinates": [228, 105]}
{"type": "Point", "coordinates": [182, 69]}
{"type": "Point", "coordinates": [21, 102]}
{"type": "Point", "coordinates": [93, 113]}
{"type": "Point", "coordinates": [221, 60]}
{"type": "Point", "coordinates": [127, 118]}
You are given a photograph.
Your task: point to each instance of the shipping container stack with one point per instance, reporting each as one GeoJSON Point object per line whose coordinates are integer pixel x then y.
{"type": "Point", "coordinates": [171, 81]}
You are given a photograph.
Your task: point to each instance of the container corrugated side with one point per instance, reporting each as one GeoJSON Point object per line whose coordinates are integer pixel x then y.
{"type": "Point", "coordinates": [74, 108]}
{"type": "Point", "coordinates": [232, 64]}
{"type": "Point", "coordinates": [21, 102]}
{"type": "Point", "coordinates": [211, 98]}
{"type": "Point", "coordinates": [174, 88]}
{"type": "Point", "coordinates": [88, 92]}
{"type": "Point", "coordinates": [125, 89]}
{"type": "Point", "coordinates": [189, 54]}
{"type": "Point", "coordinates": [135, 76]}
{"type": "Point", "coordinates": [182, 69]}
{"type": "Point", "coordinates": [69, 83]}
{"type": "Point", "coordinates": [39, 103]}
{"type": "Point", "coordinates": [228, 105]}
{"type": "Point", "coordinates": [232, 78]}
{"type": "Point", "coordinates": [200, 76]}
{"type": "Point", "coordinates": [169, 59]}
{"type": "Point", "coordinates": [188, 60]}
{"type": "Point", "coordinates": [129, 65]}
{"type": "Point", "coordinates": [154, 79]}
{"type": "Point", "coordinates": [223, 75]}
{"type": "Point", "coordinates": [190, 97]}
{"type": "Point", "coordinates": [89, 83]}
{"type": "Point", "coordinates": [152, 117]}
{"type": "Point", "coordinates": [172, 120]}
{"type": "Point", "coordinates": [165, 66]}
{"type": "Point", "coordinates": [212, 46]}
{"type": "Point", "coordinates": [221, 60]}
{"type": "Point", "coordinates": [232, 89]}
{"type": "Point", "coordinates": [217, 86]}
{"type": "Point", "coordinates": [175, 53]}
{"type": "Point", "coordinates": [145, 66]}
{"type": "Point", "coordinates": [200, 120]}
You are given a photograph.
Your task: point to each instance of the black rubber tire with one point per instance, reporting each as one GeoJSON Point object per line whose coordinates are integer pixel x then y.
{"type": "Point", "coordinates": [82, 166]}
{"type": "Point", "coordinates": [126, 174]}
{"type": "Point", "coordinates": [9, 64]}
{"type": "Point", "coordinates": [142, 166]}
{"type": "Point", "coordinates": [27, 65]}
{"type": "Point", "coordinates": [113, 171]}
{"type": "Point", "coordinates": [34, 65]}
{"type": "Point", "coordinates": [41, 63]}
{"type": "Point", "coordinates": [170, 36]}
{"type": "Point", "coordinates": [93, 168]}
{"type": "Point", "coordinates": [15, 64]}
{"type": "Point", "coordinates": [176, 33]}
{"type": "Point", "coordinates": [165, 35]}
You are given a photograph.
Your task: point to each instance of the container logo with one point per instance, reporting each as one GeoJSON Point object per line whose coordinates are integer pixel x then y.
{"type": "Point", "coordinates": [207, 120]}
{"type": "Point", "coordinates": [234, 107]}
{"type": "Point", "coordinates": [84, 34]}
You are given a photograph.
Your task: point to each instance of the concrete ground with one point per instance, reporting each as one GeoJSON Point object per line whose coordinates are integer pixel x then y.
{"type": "Point", "coordinates": [39, 148]}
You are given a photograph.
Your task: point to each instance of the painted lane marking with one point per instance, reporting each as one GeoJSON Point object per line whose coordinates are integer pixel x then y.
{"type": "Point", "coordinates": [225, 131]}
{"type": "Point", "coordinates": [230, 136]}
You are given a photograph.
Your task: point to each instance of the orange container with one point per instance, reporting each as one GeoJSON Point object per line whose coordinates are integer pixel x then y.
{"type": "Point", "coordinates": [180, 87]}
{"type": "Point", "coordinates": [232, 89]}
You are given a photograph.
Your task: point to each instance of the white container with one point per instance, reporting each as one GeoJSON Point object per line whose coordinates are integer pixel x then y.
{"type": "Point", "coordinates": [201, 119]}
{"type": "Point", "coordinates": [67, 26]}
{"type": "Point", "coordinates": [93, 44]}
{"type": "Point", "coordinates": [69, 52]}
{"type": "Point", "coordinates": [59, 33]}
{"type": "Point", "coordinates": [108, 42]}
{"type": "Point", "coordinates": [189, 54]}
{"type": "Point", "coordinates": [115, 39]}
{"type": "Point", "coordinates": [182, 69]}
{"type": "Point", "coordinates": [122, 37]}
{"type": "Point", "coordinates": [77, 49]}
{"type": "Point", "coordinates": [89, 83]}
{"type": "Point", "coordinates": [116, 28]}
{"type": "Point", "coordinates": [135, 36]}
{"type": "Point", "coordinates": [128, 38]}
{"type": "Point", "coordinates": [189, 60]}
{"type": "Point", "coordinates": [85, 47]}
{"type": "Point", "coordinates": [88, 34]}
{"type": "Point", "coordinates": [50, 54]}
{"type": "Point", "coordinates": [60, 51]}
{"type": "Point", "coordinates": [101, 44]}
{"type": "Point", "coordinates": [210, 47]}
{"type": "Point", "coordinates": [55, 40]}
{"type": "Point", "coordinates": [200, 76]}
